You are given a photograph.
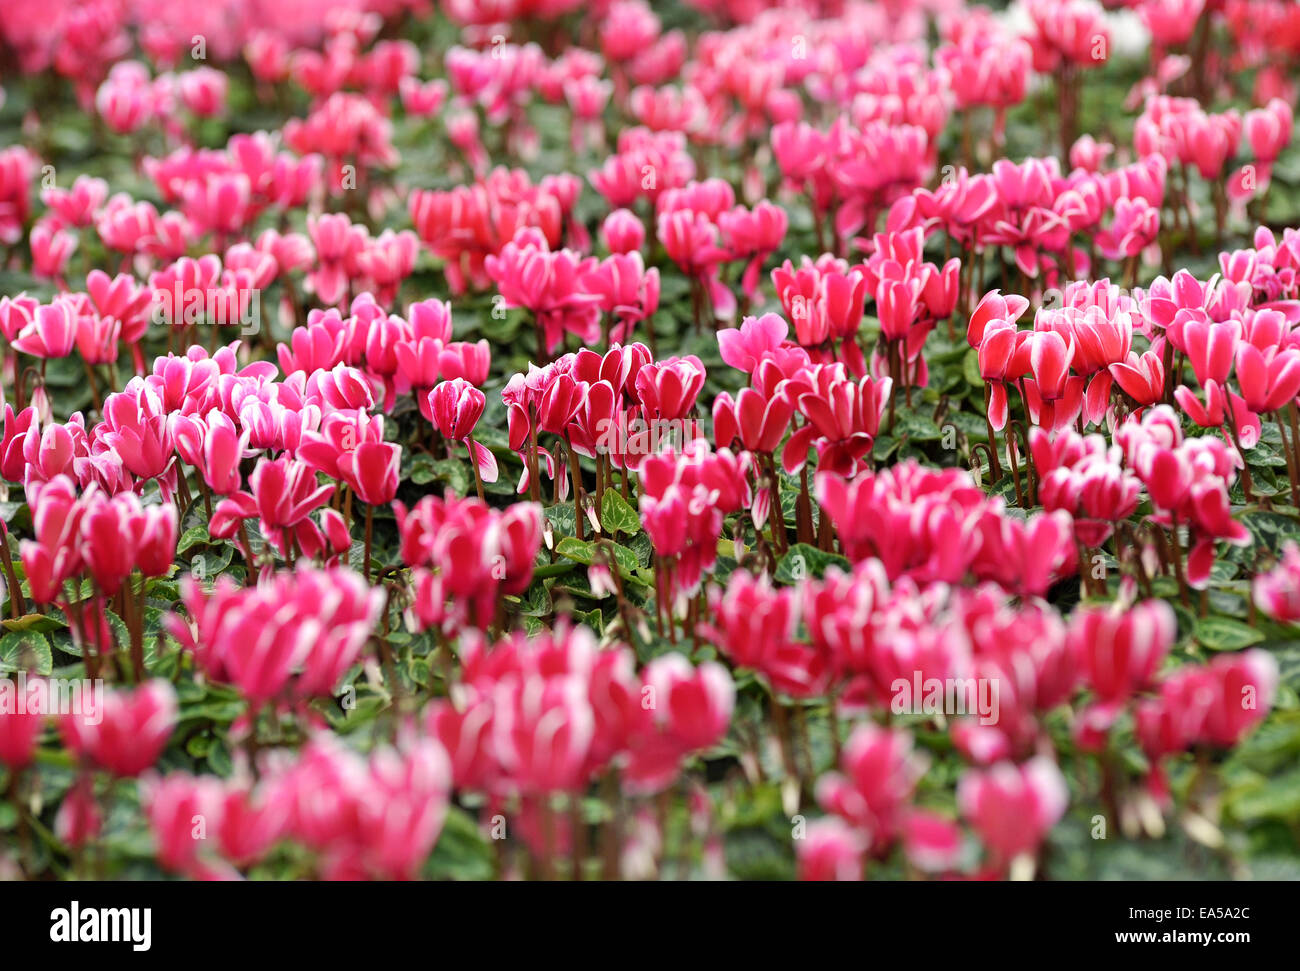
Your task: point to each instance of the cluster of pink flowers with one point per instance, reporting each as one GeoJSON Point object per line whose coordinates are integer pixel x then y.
{"type": "Point", "coordinates": [593, 403]}
{"type": "Point", "coordinates": [363, 818]}
{"type": "Point", "coordinates": [531, 718]}
{"type": "Point", "coordinates": [536, 717]}
{"type": "Point", "coordinates": [465, 225]}
{"type": "Point", "coordinates": [853, 175]}
{"type": "Point", "coordinates": [106, 537]}
{"type": "Point", "coordinates": [292, 637]}
{"type": "Point", "coordinates": [872, 809]}
{"type": "Point", "coordinates": [908, 517]}
{"type": "Point", "coordinates": [121, 732]}
{"type": "Point", "coordinates": [1071, 365]}
{"type": "Point", "coordinates": [129, 99]}
{"type": "Point", "coordinates": [1187, 480]}
{"type": "Point", "coordinates": [1037, 662]}
{"type": "Point", "coordinates": [464, 555]}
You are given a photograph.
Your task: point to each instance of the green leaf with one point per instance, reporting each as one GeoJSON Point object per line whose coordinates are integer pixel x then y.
{"type": "Point", "coordinates": [1277, 798]}
{"type": "Point", "coordinates": [804, 560]}
{"type": "Point", "coordinates": [884, 446]}
{"type": "Point", "coordinates": [28, 651]}
{"type": "Point", "coordinates": [1264, 457]}
{"type": "Point", "coordinates": [1270, 529]}
{"type": "Point", "coordinates": [455, 473]}
{"type": "Point", "coordinates": [917, 428]}
{"type": "Point", "coordinates": [592, 618]}
{"type": "Point", "coordinates": [194, 536]}
{"type": "Point", "coordinates": [463, 852]}
{"type": "Point", "coordinates": [33, 622]}
{"type": "Point", "coordinates": [973, 427]}
{"type": "Point", "coordinates": [502, 330]}
{"type": "Point", "coordinates": [585, 553]}
{"type": "Point", "coordinates": [616, 516]}
{"type": "Point", "coordinates": [535, 602]}
{"type": "Point", "coordinates": [1222, 634]}
{"type": "Point", "coordinates": [560, 516]}
{"type": "Point", "coordinates": [576, 549]}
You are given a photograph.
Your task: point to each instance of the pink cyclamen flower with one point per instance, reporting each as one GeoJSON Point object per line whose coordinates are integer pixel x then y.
{"type": "Point", "coordinates": [622, 231]}
{"type": "Point", "coordinates": [132, 730]}
{"type": "Point", "coordinates": [455, 407]}
{"type": "Point", "coordinates": [203, 91]}
{"type": "Point", "coordinates": [215, 447]}
{"type": "Point", "coordinates": [21, 721]}
{"type": "Point", "coordinates": [53, 331]}
{"type": "Point", "coordinates": [172, 804]}
{"type": "Point", "coordinates": [1278, 591]}
{"type": "Point", "coordinates": [51, 250]}
{"type": "Point", "coordinates": [880, 771]}
{"type": "Point", "coordinates": [371, 470]}
{"type": "Point", "coordinates": [1269, 378]}
{"type": "Point", "coordinates": [1013, 807]}
{"type": "Point", "coordinates": [1134, 227]}
{"type": "Point", "coordinates": [1120, 651]}
{"type": "Point", "coordinates": [831, 850]}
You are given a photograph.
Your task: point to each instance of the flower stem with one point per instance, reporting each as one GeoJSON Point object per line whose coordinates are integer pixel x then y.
{"type": "Point", "coordinates": [370, 531]}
